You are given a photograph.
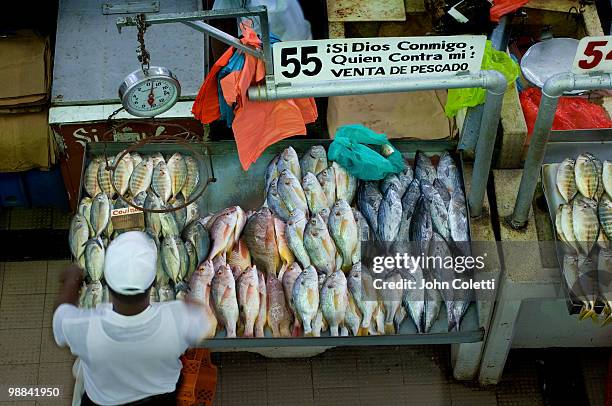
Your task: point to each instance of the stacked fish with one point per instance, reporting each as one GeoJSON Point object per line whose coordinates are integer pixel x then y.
{"type": "Point", "coordinates": [150, 182]}
{"type": "Point", "coordinates": [427, 207]}
{"type": "Point", "coordinates": [583, 222]}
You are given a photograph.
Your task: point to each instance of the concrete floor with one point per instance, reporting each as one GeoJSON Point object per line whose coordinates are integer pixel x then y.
{"type": "Point", "coordinates": [412, 375]}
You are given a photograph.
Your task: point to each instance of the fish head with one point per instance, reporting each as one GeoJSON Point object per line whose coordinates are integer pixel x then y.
{"type": "Point", "coordinates": [289, 155]}
{"type": "Point", "coordinates": [309, 181]}
{"type": "Point", "coordinates": [296, 217]}
{"type": "Point", "coordinates": [207, 270]}
{"type": "Point", "coordinates": [318, 152]}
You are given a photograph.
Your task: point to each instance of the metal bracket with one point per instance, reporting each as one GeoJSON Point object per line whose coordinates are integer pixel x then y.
{"type": "Point", "coordinates": [552, 90]}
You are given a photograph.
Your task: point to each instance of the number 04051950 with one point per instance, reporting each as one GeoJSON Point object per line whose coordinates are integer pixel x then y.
{"type": "Point", "coordinates": [594, 54]}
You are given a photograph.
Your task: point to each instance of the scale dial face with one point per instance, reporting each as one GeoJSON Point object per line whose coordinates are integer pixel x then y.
{"type": "Point", "coordinates": [149, 95]}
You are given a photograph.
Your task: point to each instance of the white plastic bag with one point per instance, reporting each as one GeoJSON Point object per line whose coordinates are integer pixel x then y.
{"type": "Point", "coordinates": [285, 17]}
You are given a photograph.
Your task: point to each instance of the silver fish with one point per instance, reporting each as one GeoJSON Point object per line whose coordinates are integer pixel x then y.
{"type": "Point", "coordinates": [421, 228]}
{"type": "Point", "coordinates": [161, 182]}
{"type": "Point", "coordinates": [153, 296]}
{"type": "Point", "coordinates": [305, 298]}
{"type": "Point", "coordinates": [586, 223]}
{"type": "Point", "coordinates": [136, 159]}
{"type": "Point", "coordinates": [122, 173]}
{"type": "Point", "coordinates": [361, 287]}
{"type": "Point", "coordinates": [587, 175]}
{"type": "Point", "coordinates": [457, 217]}
{"type": "Point", "coordinates": [433, 305]}
{"type": "Point", "coordinates": [344, 232]}
{"type": "Point", "coordinates": [161, 278]}
{"type": "Point", "coordinates": [96, 291]}
{"type": "Point", "coordinates": [141, 177]}
{"type": "Point", "coordinates": [413, 300]}
{"type": "Point", "coordinates": [327, 180]}
{"type": "Point", "coordinates": [319, 324]}
{"type": "Point", "coordinates": [443, 192]}
{"type": "Point", "coordinates": [409, 202]}
{"type": "Point", "coordinates": [288, 278]}
{"type": "Point", "coordinates": [192, 178]}
{"type": "Point", "coordinates": [247, 287]}
{"type": "Point", "coordinates": [423, 168]}
{"type": "Point", "coordinates": [439, 214]}
{"type": "Point", "coordinates": [166, 293]}
{"type": "Point", "coordinates": [153, 220]}
{"type": "Point", "coordinates": [346, 184]}
{"type": "Point", "coordinates": [448, 173]}
{"type": "Point", "coordinates": [588, 281]}
{"type": "Point", "coordinates": [362, 226]}
{"type": "Point", "coordinates": [605, 215]}
{"type": "Point", "coordinates": [192, 256]}
{"type": "Point", "coordinates": [94, 258]}
{"type": "Point", "coordinates": [606, 177]}
{"type": "Point", "coordinates": [294, 232]}
{"type": "Point", "coordinates": [85, 210]}
{"type": "Point", "coordinates": [139, 199]}
{"type": "Point", "coordinates": [391, 180]}
{"type": "Point", "coordinates": [389, 215]}
{"type": "Point", "coordinates": [275, 203]}
{"type": "Point", "coordinates": [169, 226]}
{"type": "Point", "coordinates": [77, 237]}
{"type": "Point", "coordinates": [565, 181]}
{"type": "Point", "coordinates": [104, 179]}
{"type": "Point", "coordinates": [314, 160]}
{"type": "Point", "coordinates": [193, 212]}
{"type": "Point", "coordinates": [391, 299]}
{"type": "Point", "coordinates": [197, 233]}
{"type": "Point", "coordinates": [315, 196]}
{"type": "Point", "coordinates": [177, 168]}
{"type": "Point", "coordinates": [100, 213]}
{"type": "Point", "coordinates": [334, 301]}
{"type": "Point", "coordinates": [368, 201]}
{"type": "Point", "coordinates": [180, 216]}
{"type": "Point", "coordinates": [271, 173]}
{"type": "Point", "coordinates": [320, 245]}
{"type": "Point", "coordinates": [291, 192]}
{"type": "Point", "coordinates": [352, 317]}
{"type": "Point", "coordinates": [567, 225]}
{"type": "Point", "coordinates": [90, 178]}
{"type": "Point", "coordinates": [174, 256]}
{"type": "Point", "coordinates": [288, 160]}
{"type": "Point", "coordinates": [225, 300]}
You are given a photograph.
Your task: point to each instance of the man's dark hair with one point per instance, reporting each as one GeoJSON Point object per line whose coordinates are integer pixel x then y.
{"type": "Point", "coordinates": [131, 299]}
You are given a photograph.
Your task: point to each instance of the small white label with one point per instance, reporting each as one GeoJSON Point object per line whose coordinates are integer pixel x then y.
{"type": "Point", "coordinates": [125, 211]}
{"type": "Point", "coordinates": [594, 54]}
{"type": "Point", "coordinates": [361, 58]}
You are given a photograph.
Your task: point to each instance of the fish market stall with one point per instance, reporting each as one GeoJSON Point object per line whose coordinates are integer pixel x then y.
{"type": "Point", "coordinates": [228, 222]}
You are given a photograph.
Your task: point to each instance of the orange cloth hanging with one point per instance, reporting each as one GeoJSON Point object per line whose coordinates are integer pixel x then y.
{"type": "Point", "coordinates": [256, 125]}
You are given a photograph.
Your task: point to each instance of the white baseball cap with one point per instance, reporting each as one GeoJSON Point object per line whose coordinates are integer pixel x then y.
{"type": "Point", "coordinates": [130, 263]}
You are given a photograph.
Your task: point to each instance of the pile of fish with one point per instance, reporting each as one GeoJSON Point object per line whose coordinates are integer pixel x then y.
{"type": "Point", "coordinates": [150, 182]}
{"type": "Point", "coordinates": [427, 207]}
{"type": "Point", "coordinates": [584, 224]}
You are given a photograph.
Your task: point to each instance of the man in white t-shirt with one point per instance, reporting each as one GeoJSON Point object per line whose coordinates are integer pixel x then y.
{"type": "Point", "coordinates": [129, 349]}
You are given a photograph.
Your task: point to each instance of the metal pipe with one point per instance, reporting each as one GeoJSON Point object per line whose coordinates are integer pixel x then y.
{"type": "Point", "coordinates": [552, 90]}
{"type": "Point", "coordinates": [223, 37]}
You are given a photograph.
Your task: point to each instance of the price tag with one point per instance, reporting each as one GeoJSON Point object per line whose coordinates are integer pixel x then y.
{"type": "Point", "coordinates": [366, 58]}
{"type": "Point", "coordinates": [594, 54]}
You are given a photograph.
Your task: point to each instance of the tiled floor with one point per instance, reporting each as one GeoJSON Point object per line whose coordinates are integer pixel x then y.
{"type": "Point", "coordinates": [415, 375]}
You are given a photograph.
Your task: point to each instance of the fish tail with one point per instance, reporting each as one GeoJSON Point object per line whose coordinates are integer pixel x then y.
{"type": "Point", "coordinates": [389, 328]}
{"type": "Point", "coordinates": [363, 331]}
{"type": "Point", "coordinates": [248, 332]}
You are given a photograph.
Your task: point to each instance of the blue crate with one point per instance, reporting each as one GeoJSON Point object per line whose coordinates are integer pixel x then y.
{"type": "Point", "coordinates": [46, 188]}
{"type": "Point", "coordinates": [12, 190]}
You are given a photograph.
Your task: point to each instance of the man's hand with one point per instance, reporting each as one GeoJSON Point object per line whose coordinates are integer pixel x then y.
{"type": "Point", "coordinates": [71, 283]}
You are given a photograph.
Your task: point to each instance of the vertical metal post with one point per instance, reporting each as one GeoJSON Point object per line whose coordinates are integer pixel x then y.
{"type": "Point", "coordinates": [267, 48]}
{"type": "Point", "coordinates": [486, 143]}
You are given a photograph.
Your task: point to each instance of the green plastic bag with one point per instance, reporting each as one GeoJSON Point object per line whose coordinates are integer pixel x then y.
{"type": "Point", "coordinates": [351, 149]}
{"type": "Point", "coordinates": [492, 60]}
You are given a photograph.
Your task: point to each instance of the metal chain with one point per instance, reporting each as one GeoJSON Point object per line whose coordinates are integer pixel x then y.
{"type": "Point", "coordinates": [143, 54]}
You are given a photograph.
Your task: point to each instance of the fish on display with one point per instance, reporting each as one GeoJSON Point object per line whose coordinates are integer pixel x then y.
{"type": "Point", "coordinates": [94, 258]}
{"type": "Point", "coordinates": [362, 227]}
{"type": "Point", "coordinates": [136, 159]}
{"type": "Point", "coordinates": [77, 237]}
{"type": "Point", "coordinates": [565, 180]}
{"type": "Point", "coordinates": [325, 214]}
{"type": "Point", "coordinates": [288, 160]}
{"type": "Point", "coordinates": [192, 256]}
{"type": "Point", "coordinates": [320, 245]}
{"type": "Point", "coordinates": [239, 256]}
{"type": "Point", "coordinates": [314, 160]}
{"type": "Point", "coordinates": [391, 300]}
{"type": "Point", "coordinates": [587, 176]}
{"type": "Point", "coordinates": [439, 214]}
{"type": "Point", "coordinates": [180, 215]}
{"type": "Point", "coordinates": [153, 296]}
{"type": "Point", "coordinates": [96, 291]}
{"type": "Point", "coordinates": [605, 216]}
{"type": "Point", "coordinates": [260, 237]}
{"type": "Point", "coordinates": [153, 220]}
{"type": "Point", "coordinates": [288, 281]}
{"type": "Point", "coordinates": [161, 181]}
{"type": "Point", "coordinates": [432, 306]}
{"type": "Point", "coordinates": [327, 180]}
{"type": "Point", "coordinates": [279, 316]}
{"type": "Point", "coordinates": [284, 251]}
{"type": "Point", "coordinates": [305, 298]}
{"type": "Point", "coordinates": [421, 229]}
{"type": "Point", "coordinates": [165, 293]}
{"type": "Point", "coordinates": [588, 281]}
{"type": "Point", "coordinates": [344, 232]}
{"type": "Point", "coordinates": [457, 217]}
{"type": "Point", "coordinates": [391, 180]}
{"type": "Point", "coordinates": [606, 177]}
{"type": "Point", "coordinates": [192, 177]}
{"type": "Point", "coordinates": [161, 277]}
{"type": "Point", "coordinates": [271, 173]}
{"type": "Point", "coordinates": [334, 301]}
{"type": "Point", "coordinates": [104, 179]}
{"type": "Point", "coordinates": [200, 285]}
{"type": "Point", "coordinates": [559, 223]}
{"type": "Point", "coordinates": [599, 167]}
{"type": "Point", "coordinates": [398, 319]}
{"type": "Point", "coordinates": [361, 287]}
{"type": "Point", "coordinates": [405, 178]}
{"type": "Point", "coordinates": [409, 202]}
{"type": "Point", "coordinates": [169, 226]}
{"type": "Point", "coordinates": [605, 287]}
{"type": "Point", "coordinates": [222, 232]}
{"type": "Point", "coordinates": [586, 223]}
{"type": "Point", "coordinates": [224, 299]}
{"type": "Point", "coordinates": [413, 300]}
{"type": "Point", "coordinates": [123, 171]}
{"type": "Point", "coordinates": [241, 220]}
{"type": "Point", "coordinates": [294, 231]}
{"type": "Point", "coordinates": [389, 215]}
{"type": "Point", "coordinates": [368, 201]}
{"type": "Point", "coordinates": [173, 254]}
{"type": "Point", "coordinates": [346, 184]}
{"type": "Point", "coordinates": [260, 323]}
{"type": "Point", "coordinates": [448, 173]}
{"type": "Point", "coordinates": [177, 168]}
{"type": "Point", "coordinates": [567, 225]}
{"type": "Point", "coordinates": [248, 299]}
{"type": "Point", "coordinates": [139, 199]}
{"type": "Point", "coordinates": [90, 178]}
{"type": "Point", "coordinates": [100, 213]}
{"type": "Point", "coordinates": [85, 210]}
{"type": "Point", "coordinates": [319, 323]}
{"type": "Point", "coordinates": [291, 192]}
{"type": "Point", "coordinates": [352, 317]}
{"type": "Point", "coordinates": [274, 201]}
{"type": "Point", "coordinates": [443, 192]}
{"type": "Point", "coordinates": [315, 196]}
{"type": "Point", "coordinates": [157, 157]}
{"type": "Point", "coordinates": [424, 169]}
{"type": "Point", "coordinates": [193, 212]}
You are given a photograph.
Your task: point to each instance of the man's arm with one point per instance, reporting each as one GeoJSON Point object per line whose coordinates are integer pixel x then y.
{"type": "Point", "coordinates": [71, 283]}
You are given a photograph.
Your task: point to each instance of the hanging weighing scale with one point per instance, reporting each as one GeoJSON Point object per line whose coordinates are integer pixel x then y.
{"type": "Point", "coordinates": [150, 90]}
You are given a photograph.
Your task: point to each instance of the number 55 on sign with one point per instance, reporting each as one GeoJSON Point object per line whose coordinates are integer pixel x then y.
{"type": "Point", "coordinates": [594, 54]}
